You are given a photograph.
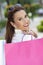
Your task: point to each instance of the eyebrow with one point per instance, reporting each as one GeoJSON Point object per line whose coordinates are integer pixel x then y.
{"type": "Point", "coordinates": [19, 17]}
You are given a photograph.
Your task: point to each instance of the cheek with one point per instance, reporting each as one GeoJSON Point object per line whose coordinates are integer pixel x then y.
{"type": "Point", "coordinates": [19, 24]}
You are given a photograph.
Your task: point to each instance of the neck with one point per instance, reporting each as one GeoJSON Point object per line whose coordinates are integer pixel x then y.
{"type": "Point", "coordinates": [24, 31]}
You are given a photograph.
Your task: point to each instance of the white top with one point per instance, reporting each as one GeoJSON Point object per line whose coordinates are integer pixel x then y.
{"type": "Point", "coordinates": [19, 36]}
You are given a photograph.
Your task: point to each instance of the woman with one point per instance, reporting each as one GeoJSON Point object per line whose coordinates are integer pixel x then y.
{"type": "Point", "coordinates": [17, 28]}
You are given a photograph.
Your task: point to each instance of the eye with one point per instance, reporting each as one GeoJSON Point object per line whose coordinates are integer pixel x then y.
{"type": "Point", "coordinates": [26, 16]}
{"type": "Point", "coordinates": [20, 19]}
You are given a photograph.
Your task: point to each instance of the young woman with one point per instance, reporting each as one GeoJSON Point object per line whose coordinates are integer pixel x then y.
{"type": "Point", "coordinates": [17, 28]}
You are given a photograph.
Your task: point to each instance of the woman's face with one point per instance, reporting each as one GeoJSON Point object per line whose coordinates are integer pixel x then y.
{"type": "Point", "coordinates": [21, 20]}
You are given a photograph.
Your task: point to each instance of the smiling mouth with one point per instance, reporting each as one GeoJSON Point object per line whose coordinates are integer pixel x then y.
{"type": "Point", "coordinates": [26, 25]}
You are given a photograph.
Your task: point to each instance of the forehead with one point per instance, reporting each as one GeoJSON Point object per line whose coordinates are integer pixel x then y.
{"type": "Point", "coordinates": [20, 13]}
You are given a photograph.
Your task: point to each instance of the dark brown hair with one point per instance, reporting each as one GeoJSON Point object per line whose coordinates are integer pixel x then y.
{"type": "Point", "coordinates": [10, 30]}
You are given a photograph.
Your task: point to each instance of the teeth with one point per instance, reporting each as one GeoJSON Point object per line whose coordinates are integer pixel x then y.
{"type": "Point", "coordinates": [25, 25]}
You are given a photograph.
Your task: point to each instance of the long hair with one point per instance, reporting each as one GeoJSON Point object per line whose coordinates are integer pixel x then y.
{"type": "Point", "coordinates": [10, 30]}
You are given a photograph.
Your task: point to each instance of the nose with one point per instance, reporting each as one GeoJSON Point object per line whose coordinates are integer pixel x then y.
{"type": "Point", "coordinates": [26, 21]}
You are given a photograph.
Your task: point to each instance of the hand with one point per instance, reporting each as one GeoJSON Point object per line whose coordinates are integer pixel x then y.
{"type": "Point", "coordinates": [31, 33]}
{"type": "Point", "coordinates": [34, 34]}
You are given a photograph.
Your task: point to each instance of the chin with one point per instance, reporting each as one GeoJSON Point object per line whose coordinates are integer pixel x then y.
{"type": "Point", "coordinates": [27, 29]}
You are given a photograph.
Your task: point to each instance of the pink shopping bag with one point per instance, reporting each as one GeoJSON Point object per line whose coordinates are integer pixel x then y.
{"type": "Point", "coordinates": [24, 53]}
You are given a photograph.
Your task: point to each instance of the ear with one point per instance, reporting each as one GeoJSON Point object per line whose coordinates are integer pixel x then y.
{"type": "Point", "coordinates": [12, 24]}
